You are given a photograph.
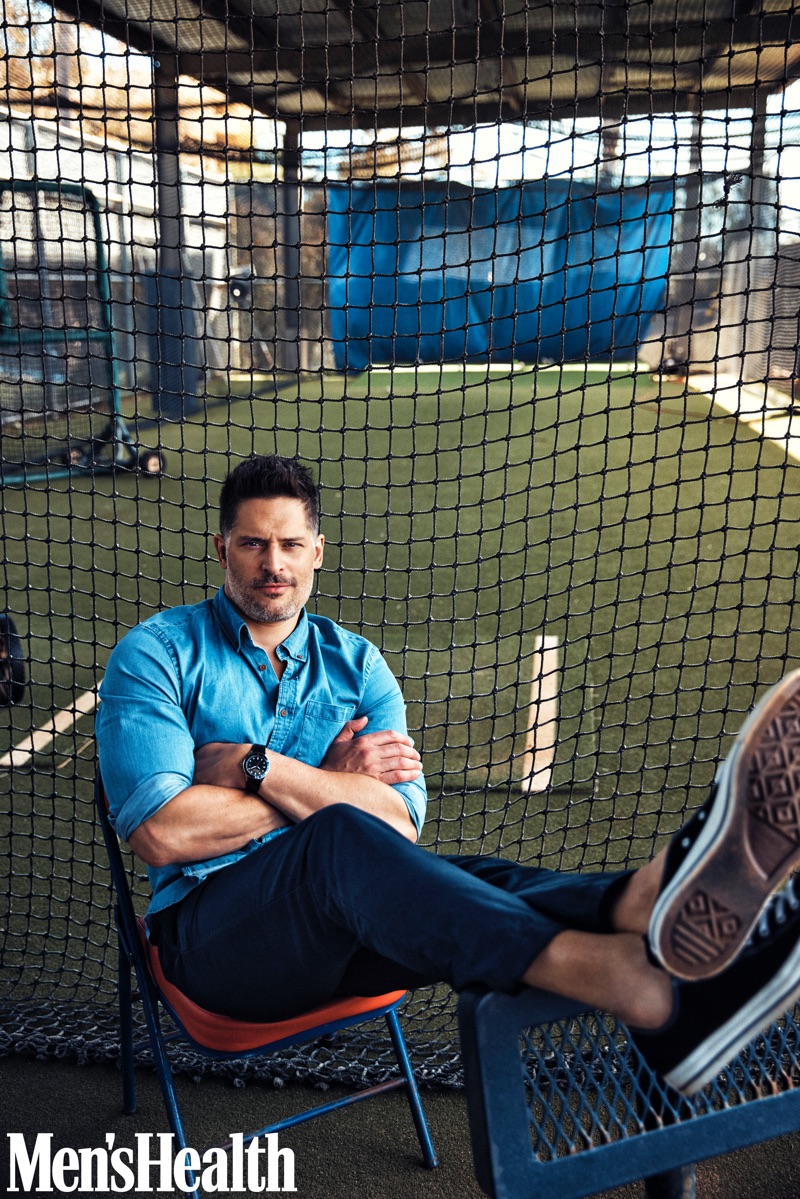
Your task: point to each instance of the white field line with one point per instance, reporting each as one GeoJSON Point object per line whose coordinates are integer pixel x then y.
{"type": "Point", "coordinates": [542, 736]}
{"type": "Point", "coordinates": [20, 754]}
{"type": "Point", "coordinates": [762, 408]}
{"type": "Point", "coordinates": [500, 368]}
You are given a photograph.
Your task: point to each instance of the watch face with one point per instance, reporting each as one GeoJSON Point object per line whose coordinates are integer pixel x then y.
{"type": "Point", "coordinates": [256, 765]}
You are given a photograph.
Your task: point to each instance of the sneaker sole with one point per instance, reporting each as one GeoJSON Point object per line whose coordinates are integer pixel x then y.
{"type": "Point", "coordinates": [704, 1063]}
{"type": "Point", "coordinates": [748, 847]}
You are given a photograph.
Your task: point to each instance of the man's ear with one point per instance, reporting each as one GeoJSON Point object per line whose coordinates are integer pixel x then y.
{"type": "Point", "coordinates": [318, 550]}
{"type": "Point", "coordinates": [219, 546]}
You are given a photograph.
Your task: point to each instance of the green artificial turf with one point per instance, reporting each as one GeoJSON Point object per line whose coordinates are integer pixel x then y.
{"type": "Point", "coordinates": [466, 514]}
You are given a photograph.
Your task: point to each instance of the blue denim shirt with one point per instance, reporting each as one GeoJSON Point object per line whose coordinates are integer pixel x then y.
{"type": "Point", "coordinates": [193, 674]}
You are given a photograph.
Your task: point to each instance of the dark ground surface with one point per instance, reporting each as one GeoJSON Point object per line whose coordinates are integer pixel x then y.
{"type": "Point", "coordinates": [369, 1150]}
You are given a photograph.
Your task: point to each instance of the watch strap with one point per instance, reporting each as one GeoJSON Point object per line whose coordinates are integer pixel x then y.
{"type": "Point", "coordinates": [253, 784]}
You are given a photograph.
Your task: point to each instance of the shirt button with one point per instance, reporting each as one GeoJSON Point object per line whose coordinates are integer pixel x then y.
{"type": "Point", "coordinates": [262, 667]}
{"type": "Point", "coordinates": [283, 711]}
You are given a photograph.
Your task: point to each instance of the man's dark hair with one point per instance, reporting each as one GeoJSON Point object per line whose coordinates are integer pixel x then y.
{"type": "Point", "coordinates": [263, 477]}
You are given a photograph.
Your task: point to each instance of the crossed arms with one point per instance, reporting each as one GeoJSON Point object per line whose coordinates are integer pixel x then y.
{"type": "Point", "coordinates": [215, 815]}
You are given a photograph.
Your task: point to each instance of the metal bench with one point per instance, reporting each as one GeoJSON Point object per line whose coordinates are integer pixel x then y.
{"type": "Point", "coordinates": [561, 1104]}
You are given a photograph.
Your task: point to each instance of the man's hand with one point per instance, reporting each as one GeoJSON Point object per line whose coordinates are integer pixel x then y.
{"type": "Point", "coordinates": [219, 764]}
{"type": "Point", "coordinates": [387, 755]}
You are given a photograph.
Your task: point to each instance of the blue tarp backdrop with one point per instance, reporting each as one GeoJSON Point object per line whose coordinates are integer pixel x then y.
{"type": "Point", "coordinates": [544, 271]}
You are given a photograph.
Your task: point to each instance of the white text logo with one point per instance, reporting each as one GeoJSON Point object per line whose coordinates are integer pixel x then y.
{"type": "Point", "coordinates": [147, 1169]}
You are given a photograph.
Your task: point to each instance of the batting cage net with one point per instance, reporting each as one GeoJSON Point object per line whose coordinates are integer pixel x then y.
{"type": "Point", "coordinates": [521, 283]}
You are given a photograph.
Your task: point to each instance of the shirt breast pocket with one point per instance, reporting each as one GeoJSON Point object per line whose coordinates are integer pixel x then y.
{"type": "Point", "coordinates": [321, 724]}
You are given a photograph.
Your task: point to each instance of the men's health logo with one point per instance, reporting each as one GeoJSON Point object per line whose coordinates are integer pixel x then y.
{"type": "Point", "coordinates": [258, 1166]}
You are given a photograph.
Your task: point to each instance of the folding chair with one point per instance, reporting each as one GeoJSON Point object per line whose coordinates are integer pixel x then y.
{"type": "Point", "coordinates": [222, 1038]}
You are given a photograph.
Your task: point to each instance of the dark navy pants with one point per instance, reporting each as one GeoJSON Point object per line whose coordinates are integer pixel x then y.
{"type": "Point", "coordinates": [341, 904]}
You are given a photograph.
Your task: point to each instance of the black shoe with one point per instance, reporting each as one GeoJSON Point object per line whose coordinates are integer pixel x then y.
{"type": "Point", "coordinates": [12, 663]}
{"type": "Point", "coordinates": [722, 867]}
{"type": "Point", "coordinates": [713, 1020]}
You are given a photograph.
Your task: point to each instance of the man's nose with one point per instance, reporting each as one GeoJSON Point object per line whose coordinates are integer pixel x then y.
{"type": "Point", "coordinates": [271, 559]}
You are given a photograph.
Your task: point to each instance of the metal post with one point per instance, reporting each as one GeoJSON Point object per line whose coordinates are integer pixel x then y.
{"type": "Point", "coordinates": [288, 332]}
{"type": "Point", "coordinates": [67, 94]}
{"type": "Point", "coordinates": [121, 268]}
{"type": "Point", "coordinates": [691, 236]}
{"type": "Point", "coordinates": [171, 399]}
{"type": "Point", "coordinates": [684, 257]}
{"type": "Point", "coordinates": [691, 224]}
{"type": "Point", "coordinates": [667, 345]}
{"type": "Point", "coordinates": [762, 252]}
{"type": "Point", "coordinates": [680, 1183]}
{"type": "Point", "coordinates": [763, 194]}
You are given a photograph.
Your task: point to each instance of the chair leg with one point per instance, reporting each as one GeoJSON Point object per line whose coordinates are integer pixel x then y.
{"type": "Point", "coordinates": [679, 1183]}
{"type": "Point", "coordinates": [415, 1103]}
{"type": "Point", "coordinates": [126, 1030]}
{"type": "Point", "coordinates": [164, 1073]}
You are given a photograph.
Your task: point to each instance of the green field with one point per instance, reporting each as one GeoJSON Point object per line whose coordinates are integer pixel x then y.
{"type": "Point", "coordinates": [465, 514]}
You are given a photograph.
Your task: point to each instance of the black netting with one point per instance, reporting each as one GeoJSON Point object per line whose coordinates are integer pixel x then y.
{"type": "Point", "coordinates": [521, 282]}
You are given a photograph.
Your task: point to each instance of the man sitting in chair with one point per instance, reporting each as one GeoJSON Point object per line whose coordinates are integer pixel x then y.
{"type": "Point", "coordinates": [256, 757]}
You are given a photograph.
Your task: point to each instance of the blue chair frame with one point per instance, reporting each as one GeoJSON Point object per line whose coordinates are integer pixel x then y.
{"type": "Point", "coordinates": [656, 1133]}
{"type": "Point", "coordinates": [134, 956]}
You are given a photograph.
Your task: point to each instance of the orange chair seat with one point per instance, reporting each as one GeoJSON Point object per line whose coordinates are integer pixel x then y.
{"type": "Point", "coordinates": [226, 1035]}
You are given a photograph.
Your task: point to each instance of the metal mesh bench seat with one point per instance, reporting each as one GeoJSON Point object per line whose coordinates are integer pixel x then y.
{"type": "Point", "coordinates": [561, 1104]}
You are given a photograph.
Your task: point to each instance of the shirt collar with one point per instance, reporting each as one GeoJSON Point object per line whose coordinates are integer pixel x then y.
{"type": "Point", "coordinates": [235, 629]}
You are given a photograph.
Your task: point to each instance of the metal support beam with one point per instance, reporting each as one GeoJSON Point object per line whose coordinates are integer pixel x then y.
{"type": "Point", "coordinates": [761, 265]}
{"type": "Point", "coordinates": [172, 401]}
{"type": "Point", "coordinates": [288, 330]}
{"type": "Point", "coordinates": [763, 193]}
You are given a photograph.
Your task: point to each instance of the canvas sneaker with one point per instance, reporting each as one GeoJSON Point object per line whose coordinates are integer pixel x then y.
{"type": "Point", "coordinates": [714, 1019]}
{"type": "Point", "coordinates": [723, 866]}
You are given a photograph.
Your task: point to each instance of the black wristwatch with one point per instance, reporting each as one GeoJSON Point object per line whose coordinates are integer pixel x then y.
{"type": "Point", "coordinates": [256, 768]}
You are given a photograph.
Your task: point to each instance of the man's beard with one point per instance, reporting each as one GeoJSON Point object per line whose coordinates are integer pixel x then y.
{"type": "Point", "coordinates": [247, 601]}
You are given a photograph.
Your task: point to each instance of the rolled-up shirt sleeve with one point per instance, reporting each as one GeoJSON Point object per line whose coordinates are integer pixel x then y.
{"type": "Point", "coordinates": [145, 747]}
{"type": "Point", "coordinates": [383, 704]}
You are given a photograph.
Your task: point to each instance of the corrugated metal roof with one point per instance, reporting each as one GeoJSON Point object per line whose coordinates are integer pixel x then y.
{"type": "Point", "coordinates": [458, 62]}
